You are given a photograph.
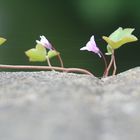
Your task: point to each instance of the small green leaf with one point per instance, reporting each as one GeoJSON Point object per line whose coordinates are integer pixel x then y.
{"type": "Point", "coordinates": [52, 53]}
{"type": "Point", "coordinates": [2, 40]}
{"type": "Point", "coordinates": [120, 37]}
{"type": "Point", "coordinates": [37, 54]}
{"type": "Point", "coordinates": [109, 50]}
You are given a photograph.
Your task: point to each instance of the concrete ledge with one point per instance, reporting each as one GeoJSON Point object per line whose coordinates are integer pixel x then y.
{"type": "Point", "coordinates": [60, 106]}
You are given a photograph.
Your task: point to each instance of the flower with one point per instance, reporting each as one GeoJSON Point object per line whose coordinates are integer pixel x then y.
{"type": "Point", "coordinates": [118, 38]}
{"type": "Point", "coordinates": [44, 42]}
{"type": "Point", "coordinates": [91, 46]}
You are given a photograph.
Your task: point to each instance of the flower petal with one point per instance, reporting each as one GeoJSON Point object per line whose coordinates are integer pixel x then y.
{"type": "Point", "coordinates": [43, 41]}
{"type": "Point", "coordinates": [91, 46]}
{"type": "Point", "coordinates": [83, 48]}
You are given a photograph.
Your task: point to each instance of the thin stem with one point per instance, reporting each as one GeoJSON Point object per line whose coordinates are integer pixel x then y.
{"type": "Point", "coordinates": [46, 68]}
{"type": "Point", "coordinates": [60, 59]}
{"type": "Point", "coordinates": [115, 67]}
{"type": "Point", "coordinates": [78, 70]}
{"type": "Point", "coordinates": [104, 62]}
{"type": "Point", "coordinates": [110, 64]}
{"type": "Point", "coordinates": [49, 63]}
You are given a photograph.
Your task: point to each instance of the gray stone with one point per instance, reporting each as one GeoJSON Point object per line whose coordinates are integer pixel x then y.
{"type": "Point", "coordinates": [60, 106]}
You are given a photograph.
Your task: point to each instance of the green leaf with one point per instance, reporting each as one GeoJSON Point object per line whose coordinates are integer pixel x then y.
{"type": "Point", "coordinates": [109, 50]}
{"type": "Point", "coordinates": [52, 53]}
{"type": "Point", "coordinates": [37, 54]}
{"type": "Point", "coordinates": [2, 40]}
{"type": "Point", "coordinates": [120, 37]}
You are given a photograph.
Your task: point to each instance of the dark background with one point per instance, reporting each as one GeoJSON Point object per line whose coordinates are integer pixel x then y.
{"type": "Point", "coordinates": [68, 24]}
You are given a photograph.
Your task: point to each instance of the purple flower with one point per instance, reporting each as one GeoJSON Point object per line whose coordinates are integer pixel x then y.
{"type": "Point", "coordinates": [91, 46]}
{"type": "Point", "coordinates": [44, 42]}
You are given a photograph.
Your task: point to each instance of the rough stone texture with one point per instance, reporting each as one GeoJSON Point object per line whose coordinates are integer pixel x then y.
{"type": "Point", "coordinates": [60, 106]}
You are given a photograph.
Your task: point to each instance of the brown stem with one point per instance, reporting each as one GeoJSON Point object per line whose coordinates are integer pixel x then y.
{"type": "Point", "coordinates": [109, 66]}
{"type": "Point", "coordinates": [46, 68]}
{"type": "Point", "coordinates": [115, 67]}
{"type": "Point", "coordinates": [60, 59]}
{"type": "Point", "coordinates": [78, 70]}
{"type": "Point", "coordinates": [104, 62]}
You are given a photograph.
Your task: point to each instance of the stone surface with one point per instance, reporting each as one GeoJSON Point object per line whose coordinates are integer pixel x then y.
{"type": "Point", "coordinates": [60, 106]}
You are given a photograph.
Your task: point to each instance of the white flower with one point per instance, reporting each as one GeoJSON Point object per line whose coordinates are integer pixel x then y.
{"type": "Point", "coordinates": [44, 42]}
{"type": "Point", "coordinates": [91, 46]}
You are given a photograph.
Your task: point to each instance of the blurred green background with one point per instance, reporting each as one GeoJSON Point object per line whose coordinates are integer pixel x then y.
{"type": "Point", "coordinates": [68, 25]}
